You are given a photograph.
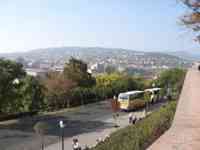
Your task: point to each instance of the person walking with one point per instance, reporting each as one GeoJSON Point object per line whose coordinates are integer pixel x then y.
{"type": "Point", "coordinates": [134, 119]}
{"type": "Point", "coordinates": [75, 145]}
{"type": "Point", "coordinates": [130, 118]}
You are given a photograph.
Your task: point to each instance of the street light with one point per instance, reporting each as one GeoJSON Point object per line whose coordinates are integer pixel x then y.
{"type": "Point", "coordinates": [62, 126]}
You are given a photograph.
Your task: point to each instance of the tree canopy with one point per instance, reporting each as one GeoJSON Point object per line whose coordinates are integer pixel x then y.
{"type": "Point", "coordinates": [10, 72]}
{"type": "Point", "coordinates": [77, 71]}
{"type": "Point", "coordinates": [192, 18]}
{"type": "Point", "coordinates": [171, 80]}
{"type": "Point", "coordinates": [18, 91]}
{"type": "Point", "coordinates": [57, 90]}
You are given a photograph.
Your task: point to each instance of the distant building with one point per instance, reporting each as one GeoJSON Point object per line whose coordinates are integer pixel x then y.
{"type": "Point", "coordinates": [121, 69]}
{"type": "Point", "coordinates": [97, 67]}
{"type": "Point", "coordinates": [57, 68]}
{"type": "Point", "coordinates": [36, 72]}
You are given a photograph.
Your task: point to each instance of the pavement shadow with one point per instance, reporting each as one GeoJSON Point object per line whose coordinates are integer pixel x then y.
{"type": "Point", "coordinates": [72, 127]}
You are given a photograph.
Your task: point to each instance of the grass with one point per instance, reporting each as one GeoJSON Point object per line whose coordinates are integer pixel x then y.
{"type": "Point", "coordinates": [144, 133]}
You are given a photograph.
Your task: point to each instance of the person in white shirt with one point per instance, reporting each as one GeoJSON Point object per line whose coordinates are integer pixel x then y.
{"type": "Point", "coordinates": [75, 145]}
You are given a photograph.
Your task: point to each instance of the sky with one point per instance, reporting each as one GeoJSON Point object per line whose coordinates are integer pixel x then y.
{"type": "Point", "coordinates": [143, 25]}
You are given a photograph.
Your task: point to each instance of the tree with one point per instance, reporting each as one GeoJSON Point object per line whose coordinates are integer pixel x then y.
{"type": "Point", "coordinates": [32, 98]}
{"type": "Point", "coordinates": [171, 81]}
{"type": "Point", "coordinates": [76, 70]}
{"type": "Point", "coordinates": [18, 91]}
{"type": "Point", "coordinates": [22, 61]}
{"type": "Point", "coordinates": [58, 89]}
{"type": "Point", "coordinates": [110, 69]}
{"type": "Point", "coordinates": [9, 73]}
{"type": "Point", "coordinates": [192, 19]}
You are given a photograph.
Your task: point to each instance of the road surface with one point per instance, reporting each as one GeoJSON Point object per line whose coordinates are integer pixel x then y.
{"type": "Point", "coordinates": [86, 122]}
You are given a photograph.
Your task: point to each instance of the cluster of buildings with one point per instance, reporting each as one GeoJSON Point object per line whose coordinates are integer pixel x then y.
{"type": "Point", "coordinates": [99, 62]}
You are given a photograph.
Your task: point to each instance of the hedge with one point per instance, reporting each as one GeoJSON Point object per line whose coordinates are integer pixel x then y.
{"type": "Point", "coordinates": [143, 133]}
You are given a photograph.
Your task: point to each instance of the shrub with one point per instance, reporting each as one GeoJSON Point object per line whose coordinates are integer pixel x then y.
{"type": "Point", "coordinates": [141, 135]}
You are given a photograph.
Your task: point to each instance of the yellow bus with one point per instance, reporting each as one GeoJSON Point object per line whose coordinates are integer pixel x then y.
{"type": "Point", "coordinates": [154, 94]}
{"type": "Point", "coordinates": [131, 100]}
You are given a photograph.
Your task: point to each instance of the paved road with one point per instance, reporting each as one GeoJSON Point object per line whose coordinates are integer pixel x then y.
{"type": "Point", "coordinates": [88, 122]}
{"type": "Point", "coordinates": [185, 131]}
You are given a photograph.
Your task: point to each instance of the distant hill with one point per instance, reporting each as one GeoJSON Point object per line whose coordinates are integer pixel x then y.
{"type": "Point", "coordinates": [190, 55]}
{"type": "Point", "coordinates": [98, 54]}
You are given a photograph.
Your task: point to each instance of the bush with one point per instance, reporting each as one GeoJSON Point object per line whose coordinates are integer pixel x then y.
{"type": "Point", "coordinates": [107, 86]}
{"type": "Point", "coordinates": [171, 81]}
{"type": "Point", "coordinates": [82, 96]}
{"type": "Point", "coordinates": [141, 135]}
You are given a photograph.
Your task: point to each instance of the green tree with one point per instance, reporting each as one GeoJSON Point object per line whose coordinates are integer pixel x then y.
{"type": "Point", "coordinates": [76, 70]}
{"type": "Point", "coordinates": [110, 69]}
{"type": "Point", "coordinates": [171, 81]}
{"type": "Point", "coordinates": [32, 96]}
{"type": "Point", "coordinates": [9, 73]}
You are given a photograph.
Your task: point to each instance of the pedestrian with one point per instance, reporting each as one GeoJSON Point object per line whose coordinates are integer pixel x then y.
{"type": "Point", "coordinates": [134, 119]}
{"type": "Point", "coordinates": [75, 145]}
{"type": "Point", "coordinates": [130, 118]}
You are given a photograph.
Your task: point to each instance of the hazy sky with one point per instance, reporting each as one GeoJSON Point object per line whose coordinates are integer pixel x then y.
{"type": "Point", "coordinates": [150, 25]}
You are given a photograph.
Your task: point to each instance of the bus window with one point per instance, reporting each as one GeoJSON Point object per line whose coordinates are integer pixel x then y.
{"type": "Point", "coordinates": [132, 97]}
{"type": "Point", "coordinates": [139, 96]}
{"type": "Point", "coordinates": [123, 97]}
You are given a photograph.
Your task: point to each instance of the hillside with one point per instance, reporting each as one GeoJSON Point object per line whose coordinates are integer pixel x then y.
{"type": "Point", "coordinates": [111, 56]}
{"type": "Point", "coordinates": [189, 55]}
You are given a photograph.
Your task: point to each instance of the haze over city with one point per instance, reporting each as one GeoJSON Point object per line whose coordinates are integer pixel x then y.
{"type": "Point", "coordinates": [27, 25]}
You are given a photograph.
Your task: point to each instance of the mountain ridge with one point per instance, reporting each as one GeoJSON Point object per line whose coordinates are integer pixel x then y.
{"type": "Point", "coordinates": [92, 55]}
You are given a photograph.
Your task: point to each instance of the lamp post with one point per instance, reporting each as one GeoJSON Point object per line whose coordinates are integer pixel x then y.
{"type": "Point", "coordinates": [62, 125]}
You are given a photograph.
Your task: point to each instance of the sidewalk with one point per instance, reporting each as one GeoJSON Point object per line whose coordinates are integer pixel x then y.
{"type": "Point", "coordinates": [90, 138]}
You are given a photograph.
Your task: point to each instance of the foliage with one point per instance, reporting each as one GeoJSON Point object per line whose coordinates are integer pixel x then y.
{"type": "Point", "coordinates": [107, 80]}
{"type": "Point", "coordinates": [18, 91]}
{"type": "Point", "coordinates": [81, 96]}
{"type": "Point", "coordinates": [107, 86]}
{"type": "Point", "coordinates": [110, 69]}
{"type": "Point", "coordinates": [76, 70]}
{"type": "Point", "coordinates": [192, 18]}
{"type": "Point", "coordinates": [141, 135]}
{"type": "Point", "coordinates": [171, 81]}
{"type": "Point", "coordinates": [58, 89]}
{"type": "Point", "coordinates": [10, 72]}
{"type": "Point", "coordinates": [32, 96]}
